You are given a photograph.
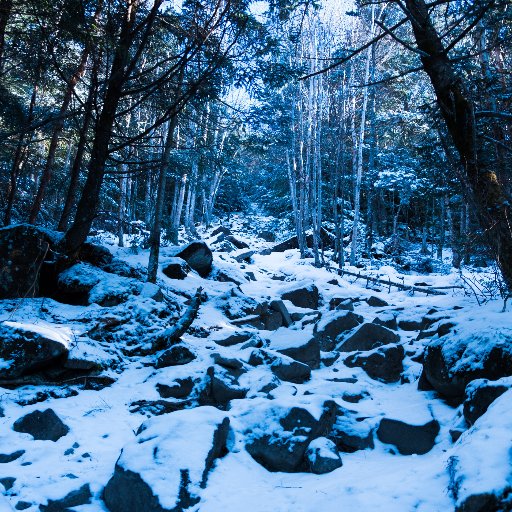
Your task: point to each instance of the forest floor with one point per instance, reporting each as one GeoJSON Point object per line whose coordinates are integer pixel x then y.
{"type": "Point", "coordinates": [102, 422]}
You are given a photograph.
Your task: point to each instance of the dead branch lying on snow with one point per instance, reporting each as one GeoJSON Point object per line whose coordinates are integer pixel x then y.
{"type": "Point", "coordinates": [172, 335]}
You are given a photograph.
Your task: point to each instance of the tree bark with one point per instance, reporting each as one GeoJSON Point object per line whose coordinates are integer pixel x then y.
{"type": "Point", "coordinates": [5, 13]}
{"type": "Point", "coordinates": [89, 201]}
{"type": "Point", "coordinates": [480, 178]}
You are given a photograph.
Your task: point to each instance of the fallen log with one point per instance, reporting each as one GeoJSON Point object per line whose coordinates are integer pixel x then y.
{"type": "Point", "coordinates": [172, 335]}
{"type": "Point", "coordinates": [400, 286]}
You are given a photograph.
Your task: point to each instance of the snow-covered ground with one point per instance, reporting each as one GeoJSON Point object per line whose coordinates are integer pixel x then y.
{"type": "Point", "coordinates": [101, 422]}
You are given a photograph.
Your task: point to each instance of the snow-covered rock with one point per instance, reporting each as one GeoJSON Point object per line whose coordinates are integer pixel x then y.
{"type": "Point", "coordinates": [480, 464]}
{"type": "Point", "coordinates": [166, 466]}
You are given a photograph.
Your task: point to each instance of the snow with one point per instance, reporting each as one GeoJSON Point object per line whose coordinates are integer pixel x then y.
{"type": "Point", "coordinates": [101, 423]}
{"type": "Point", "coordinates": [481, 460]}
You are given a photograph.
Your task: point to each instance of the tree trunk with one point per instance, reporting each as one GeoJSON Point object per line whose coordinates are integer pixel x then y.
{"type": "Point", "coordinates": [5, 13]}
{"type": "Point", "coordinates": [54, 141]}
{"type": "Point", "coordinates": [80, 150]}
{"type": "Point", "coordinates": [89, 201]}
{"type": "Point", "coordinates": [21, 149]}
{"type": "Point", "coordinates": [480, 178]}
{"type": "Point", "coordinates": [156, 229]}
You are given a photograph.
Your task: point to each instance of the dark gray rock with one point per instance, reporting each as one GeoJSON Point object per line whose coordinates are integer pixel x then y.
{"type": "Point", "coordinates": [75, 283]}
{"type": "Point", "coordinates": [95, 254]}
{"type": "Point", "coordinates": [280, 307]}
{"type": "Point", "coordinates": [7, 482]}
{"type": "Point", "coordinates": [23, 249]}
{"type": "Point", "coordinates": [303, 297]}
{"type": "Point", "coordinates": [176, 268]}
{"type": "Point", "coordinates": [42, 425]}
{"type": "Point", "coordinates": [160, 441]}
{"type": "Point", "coordinates": [268, 236]}
{"type": "Point", "coordinates": [239, 244]}
{"type": "Point", "coordinates": [341, 304]}
{"type": "Point", "coordinates": [287, 453]}
{"type": "Point", "coordinates": [175, 356]}
{"type": "Point", "coordinates": [387, 320]}
{"type": "Point", "coordinates": [234, 339]}
{"type": "Point", "coordinates": [323, 456]}
{"type": "Point", "coordinates": [76, 498]}
{"type": "Point", "coordinates": [307, 352]}
{"type": "Point", "coordinates": [408, 439]}
{"type": "Point", "coordinates": [283, 367]}
{"type": "Point", "coordinates": [221, 229]}
{"type": "Point", "coordinates": [351, 434]}
{"type": "Point", "coordinates": [409, 325]}
{"type": "Point", "coordinates": [330, 328]}
{"type": "Point", "coordinates": [22, 505]}
{"type": "Point", "coordinates": [480, 394]}
{"type": "Point", "coordinates": [218, 391]}
{"type": "Point", "coordinates": [383, 364]}
{"type": "Point", "coordinates": [10, 457]}
{"type": "Point", "coordinates": [368, 337]}
{"type": "Point", "coordinates": [271, 319]}
{"type": "Point", "coordinates": [376, 302]}
{"type": "Point", "coordinates": [28, 351]}
{"type": "Point", "coordinates": [485, 356]}
{"type": "Point", "coordinates": [198, 256]}
{"type": "Point", "coordinates": [180, 389]}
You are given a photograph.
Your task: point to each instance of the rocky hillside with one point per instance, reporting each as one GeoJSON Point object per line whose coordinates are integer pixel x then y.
{"type": "Point", "coordinates": [247, 379]}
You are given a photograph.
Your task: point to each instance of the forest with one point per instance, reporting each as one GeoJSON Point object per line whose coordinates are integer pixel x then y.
{"type": "Point", "coordinates": [280, 230]}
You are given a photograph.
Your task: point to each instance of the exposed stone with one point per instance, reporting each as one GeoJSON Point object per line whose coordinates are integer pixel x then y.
{"type": "Point", "coordinates": [95, 254]}
{"type": "Point", "coordinates": [323, 456]}
{"type": "Point", "coordinates": [175, 356]}
{"type": "Point", "coordinates": [407, 438]}
{"type": "Point", "coordinates": [305, 351]}
{"type": "Point", "coordinates": [480, 394]}
{"type": "Point", "coordinates": [268, 236]}
{"type": "Point", "coordinates": [409, 325]}
{"type": "Point", "coordinates": [176, 268]}
{"type": "Point", "coordinates": [221, 229]}
{"type": "Point", "coordinates": [328, 330]}
{"type": "Point", "coordinates": [376, 302]}
{"type": "Point", "coordinates": [10, 457]}
{"type": "Point", "coordinates": [137, 484]}
{"type": "Point", "coordinates": [26, 349]}
{"type": "Point", "coordinates": [453, 361]}
{"type": "Point", "coordinates": [76, 498]}
{"type": "Point", "coordinates": [23, 249]}
{"type": "Point", "coordinates": [351, 435]}
{"type": "Point", "coordinates": [234, 339]}
{"type": "Point", "coordinates": [386, 320]}
{"type": "Point", "coordinates": [278, 452]}
{"type": "Point", "coordinates": [218, 391]}
{"type": "Point", "coordinates": [181, 388]}
{"type": "Point", "coordinates": [280, 307]}
{"type": "Point", "coordinates": [283, 367]}
{"type": "Point", "coordinates": [383, 364]}
{"type": "Point", "coordinates": [341, 304]}
{"type": "Point", "coordinates": [198, 256]}
{"type": "Point", "coordinates": [42, 425]}
{"type": "Point", "coordinates": [303, 297]}
{"type": "Point", "coordinates": [368, 337]}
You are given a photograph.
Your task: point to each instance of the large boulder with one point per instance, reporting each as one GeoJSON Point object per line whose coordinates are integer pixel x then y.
{"type": "Point", "coordinates": [167, 465]}
{"type": "Point", "coordinates": [198, 256]}
{"type": "Point", "coordinates": [306, 296]}
{"type": "Point", "coordinates": [471, 351]}
{"type": "Point", "coordinates": [218, 390]}
{"type": "Point", "coordinates": [75, 283]}
{"type": "Point", "coordinates": [42, 425]}
{"type": "Point", "coordinates": [480, 394]}
{"type": "Point", "coordinates": [383, 363]}
{"type": "Point", "coordinates": [27, 348]}
{"type": "Point", "coordinates": [350, 433]}
{"type": "Point", "coordinates": [333, 325]}
{"type": "Point", "coordinates": [479, 466]}
{"type": "Point", "coordinates": [368, 337]}
{"type": "Point", "coordinates": [24, 249]}
{"type": "Point", "coordinates": [281, 445]}
{"type": "Point", "coordinates": [408, 438]}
